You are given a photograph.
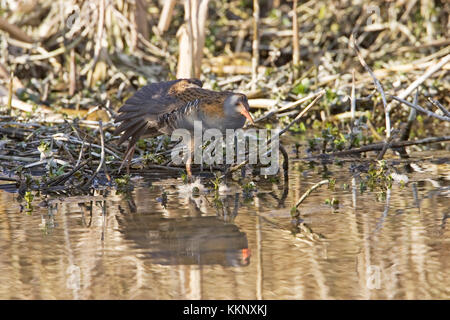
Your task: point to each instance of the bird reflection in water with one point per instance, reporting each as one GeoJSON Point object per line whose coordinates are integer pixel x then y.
{"type": "Point", "coordinates": [195, 239]}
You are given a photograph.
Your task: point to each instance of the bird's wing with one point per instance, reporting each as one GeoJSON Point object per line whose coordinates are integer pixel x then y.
{"type": "Point", "coordinates": [142, 111]}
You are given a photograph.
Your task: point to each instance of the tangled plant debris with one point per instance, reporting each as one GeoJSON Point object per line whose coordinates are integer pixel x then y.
{"type": "Point", "coordinates": [65, 71]}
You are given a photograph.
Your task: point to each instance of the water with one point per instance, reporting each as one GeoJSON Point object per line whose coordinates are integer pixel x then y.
{"type": "Point", "coordinates": [160, 243]}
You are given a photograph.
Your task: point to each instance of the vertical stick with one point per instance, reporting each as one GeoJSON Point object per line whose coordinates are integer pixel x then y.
{"type": "Point", "coordinates": [192, 36]}
{"type": "Point", "coordinates": [10, 91]}
{"type": "Point", "coordinates": [193, 23]}
{"type": "Point", "coordinates": [200, 43]}
{"type": "Point", "coordinates": [295, 42]}
{"type": "Point", "coordinates": [255, 45]}
{"type": "Point", "coordinates": [166, 15]}
{"type": "Point", "coordinates": [98, 45]}
{"type": "Point", "coordinates": [72, 73]}
{"type": "Point", "coordinates": [353, 98]}
{"type": "Point", "coordinates": [185, 68]}
{"type": "Point", "coordinates": [140, 19]}
{"type": "Point", "coordinates": [259, 259]}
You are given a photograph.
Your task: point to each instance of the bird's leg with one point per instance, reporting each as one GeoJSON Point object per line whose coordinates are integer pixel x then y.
{"type": "Point", "coordinates": [128, 157]}
{"type": "Point", "coordinates": [189, 161]}
{"type": "Point", "coordinates": [188, 169]}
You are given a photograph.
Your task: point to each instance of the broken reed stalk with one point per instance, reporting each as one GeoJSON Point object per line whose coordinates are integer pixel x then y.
{"type": "Point", "coordinates": [255, 44]}
{"type": "Point", "coordinates": [80, 155]}
{"type": "Point", "coordinates": [166, 16]}
{"type": "Point", "coordinates": [191, 38]}
{"type": "Point", "coordinates": [201, 15]}
{"type": "Point", "coordinates": [98, 44]}
{"type": "Point", "coordinates": [295, 40]}
{"type": "Point", "coordinates": [139, 19]}
{"type": "Point", "coordinates": [72, 73]}
{"type": "Point", "coordinates": [185, 66]}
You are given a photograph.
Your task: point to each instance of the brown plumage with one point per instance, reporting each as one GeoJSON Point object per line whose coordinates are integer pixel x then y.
{"type": "Point", "coordinates": [160, 108]}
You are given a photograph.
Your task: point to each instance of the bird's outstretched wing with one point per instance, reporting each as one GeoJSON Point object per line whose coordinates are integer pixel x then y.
{"type": "Point", "coordinates": [141, 112]}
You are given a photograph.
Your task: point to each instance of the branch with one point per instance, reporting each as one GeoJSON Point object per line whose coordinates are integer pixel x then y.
{"type": "Point", "coordinates": [424, 77]}
{"type": "Point", "coordinates": [308, 192]}
{"type": "Point", "coordinates": [377, 85]}
{"type": "Point", "coordinates": [419, 108]}
{"type": "Point", "coordinates": [14, 31]}
{"type": "Point", "coordinates": [380, 146]}
{"type": "Point", "coordinates": [166, 16]}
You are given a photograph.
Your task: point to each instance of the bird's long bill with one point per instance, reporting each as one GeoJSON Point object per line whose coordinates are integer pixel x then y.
{"type": "Point", "coordinates": [247, 114]}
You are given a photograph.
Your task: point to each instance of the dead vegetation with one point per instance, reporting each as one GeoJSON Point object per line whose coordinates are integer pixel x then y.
{"type": "Point", "coordinates": [66, 66]}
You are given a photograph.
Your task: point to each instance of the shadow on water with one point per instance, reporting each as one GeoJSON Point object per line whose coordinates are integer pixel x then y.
{"type": "Point", "coordinates": [197, 239]}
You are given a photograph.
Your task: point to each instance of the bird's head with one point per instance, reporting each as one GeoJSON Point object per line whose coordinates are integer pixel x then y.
{"type": "Point", "coordinates": [236, 105]}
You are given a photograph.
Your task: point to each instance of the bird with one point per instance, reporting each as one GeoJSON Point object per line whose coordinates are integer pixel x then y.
{"type": "Point", "coordinates": [162, 107]}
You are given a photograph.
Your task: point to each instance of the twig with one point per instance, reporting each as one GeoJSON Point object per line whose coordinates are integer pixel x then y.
{"type": "Point", "coordinates": [102, 137]}
{"type": "Point", "coordinates": [74, 140]}
{"type": "Point", "coordinates": [377, 85]}
{"type": "Point", "coordinates": [14, 31]}
{"type": "Point", "coordinates": [424, 77]}
{"type": "Point", "coordinates": [26, 58]}
{"type": "Point", "coordinates": [63, 178]}
{"type": "Point", "coordinates": [379, 146]}
{"type": "Point", "coordinates": [386, 145]}
{"type": "Point", "coordinates": [419, 108]}
{"type": "Point", "coordinates": [404, 134]}
{"type": "Point", "coordinates": [98, 44]}
{"type": "Point", "coordinates": [353, 97]}
{"type": "Point", "coordinates": [102, 157]}
{"type": "Point", "coordinates": [287, 106]}
{"type": "Point", "coordinates": [16, 158]}
{"type": "Point", "coordinates": [80, 154]}
{"type": "Point", "coordinates": [301, 114]}
{"type": "Point", "coordinates": [295, 42]}
{"type": "Point", "coordinates": [10, 92]}
{"type": "Point", "coordinates": [200, 19]}
{"type": "Point", "coordinates": [440, 106]}
{"type": "Point", "coordinates": [308, 192]}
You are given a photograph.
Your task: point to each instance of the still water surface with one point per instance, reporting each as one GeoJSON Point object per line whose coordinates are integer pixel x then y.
{"type": "Point", "coordinates": [159, 242]}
